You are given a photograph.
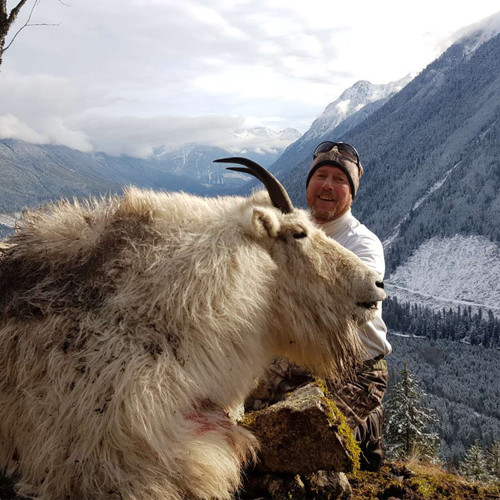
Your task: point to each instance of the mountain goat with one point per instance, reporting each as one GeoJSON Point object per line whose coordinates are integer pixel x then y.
{"type": "Point", "coordinates": [132, 328]}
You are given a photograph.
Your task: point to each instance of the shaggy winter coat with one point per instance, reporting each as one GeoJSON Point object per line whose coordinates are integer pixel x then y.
{"type": "Point", "coordinates": [132, 328]}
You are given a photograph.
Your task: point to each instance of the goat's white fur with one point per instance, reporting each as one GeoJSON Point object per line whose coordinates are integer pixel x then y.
{"type": "Point", "coordinates": [138, 324]}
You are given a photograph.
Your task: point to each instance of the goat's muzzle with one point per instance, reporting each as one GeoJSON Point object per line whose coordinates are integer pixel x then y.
{"type": "Point", "coordinates": [367, 305]}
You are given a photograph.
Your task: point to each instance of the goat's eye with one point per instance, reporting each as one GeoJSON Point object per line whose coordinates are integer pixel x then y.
{"type": "Point", "coordinates": [298, 236]}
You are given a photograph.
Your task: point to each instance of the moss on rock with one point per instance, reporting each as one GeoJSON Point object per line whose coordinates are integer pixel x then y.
{"type": "Point", "coordinates": [337, 418]}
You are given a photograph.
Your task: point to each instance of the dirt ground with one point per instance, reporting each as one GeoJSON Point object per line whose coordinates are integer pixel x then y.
{"type": "Point", "coordinates": [415, 481]}
{"type": "Point", "coordinates": [406, 481]}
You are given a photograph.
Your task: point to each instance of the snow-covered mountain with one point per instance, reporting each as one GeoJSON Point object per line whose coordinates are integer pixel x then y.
{"type": "Point", "coordinates": [350, 102]}
{"type": "Point", "coordinates": [431, 188]}
{"type": "Point", "coordinates": [196, 160]}
{"type": "Point", "coordinates": [433, 191]}
{"type": "Point", "coordinates": [353, 106]}
{"type": "Point", "coordinates": [263, 140]}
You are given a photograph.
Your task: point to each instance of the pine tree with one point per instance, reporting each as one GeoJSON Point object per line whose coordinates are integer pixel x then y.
{"type": "Point", "coordinates": [475, 464]}
{"type": "Point", "coordinates": [494, 460]}
{"type": "Point", "coordinates": [408, 421]}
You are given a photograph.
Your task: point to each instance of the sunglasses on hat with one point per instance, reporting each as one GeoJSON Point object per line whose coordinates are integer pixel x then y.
{"type": "Point", "coordinates": [342, 147]}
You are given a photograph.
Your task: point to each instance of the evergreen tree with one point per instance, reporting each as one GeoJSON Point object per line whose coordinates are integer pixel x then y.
{"type": "Point", "coordinates": [475, 464]}
{"type": "Point", "coordinates": [494, 460]}
{"type": "Point", "coordinates": [408, 421]}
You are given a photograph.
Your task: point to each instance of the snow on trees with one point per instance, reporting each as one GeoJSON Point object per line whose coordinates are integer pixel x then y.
{"type": "Point", "coordinates": [475, 466]}
{"type": "Point", "coordinates": [408, 421]}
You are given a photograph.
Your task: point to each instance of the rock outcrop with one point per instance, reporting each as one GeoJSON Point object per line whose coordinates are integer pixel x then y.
{"type": "Point", "coordinates": [306, 448]}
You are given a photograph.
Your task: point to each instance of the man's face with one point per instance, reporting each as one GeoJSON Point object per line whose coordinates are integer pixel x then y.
{"type": "Point", "coordinates": [328, 193]}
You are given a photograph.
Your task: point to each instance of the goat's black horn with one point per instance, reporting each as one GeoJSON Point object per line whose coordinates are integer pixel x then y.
{"type": "Point", "coordinates": [277, 192]}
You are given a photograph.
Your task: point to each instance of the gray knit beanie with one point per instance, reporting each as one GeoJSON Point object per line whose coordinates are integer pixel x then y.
{"type": "Point", "coordinates": [348, 166]}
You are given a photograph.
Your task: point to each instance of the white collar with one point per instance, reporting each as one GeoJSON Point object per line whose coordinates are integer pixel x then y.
{"type": "Point", "coordinates": [335, 225]}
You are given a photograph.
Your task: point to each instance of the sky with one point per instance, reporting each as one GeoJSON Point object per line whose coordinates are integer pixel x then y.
{"type": "Point", "coordinates": [127, 76]}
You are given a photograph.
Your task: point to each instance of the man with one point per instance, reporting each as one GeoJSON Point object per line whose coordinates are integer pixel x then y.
{"type": "Point", "coordinates": [331, 186]}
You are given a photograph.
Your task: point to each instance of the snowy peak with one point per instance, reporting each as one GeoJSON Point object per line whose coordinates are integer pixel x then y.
{"type": "Point", "coordinates": [180, 151]}
{"type": "Point", "coordinates": [351, 101]}
{"type": "Point", "coordinates": [252, 139]}
{"type": "Point", "coordinates": [192, 160]}
{"type": "Point", "coordinates": [266, 133]}
{"type": "Point", "coordinates": [264, 144]}
{"type": "Point", "coordinates": [196, 160]}
{"type": "Point", "coordinates": [353, 106]}
{"type": "Point", "coordinates": [360, 94]}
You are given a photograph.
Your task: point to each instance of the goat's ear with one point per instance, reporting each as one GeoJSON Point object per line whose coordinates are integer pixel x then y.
{"type": "Point", "coordinates": [261, 222]}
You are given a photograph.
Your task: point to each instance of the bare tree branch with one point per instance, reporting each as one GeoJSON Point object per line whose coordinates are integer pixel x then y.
{"type": "Point", "coordinates": [26, 26]}
{"type": "Point", "coordinates": [7, 20]}
{"type": "Point", "coordinates": [12, 19]}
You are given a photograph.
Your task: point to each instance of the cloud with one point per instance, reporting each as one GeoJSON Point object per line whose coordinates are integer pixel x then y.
{"type": "Point", "coordinates": [43, 109]}
{"type": "Point", "coordinates": [38, 109]}
{"type": "Point", "coordinates": [488, 28]}
{"type": "Point", "coordinates": [125, 77]}
{"type": "Point", "coordinates": [12, 128]}
{"type": "Point", "coordinates": [138, 137]}
{"type": "Point", "coordinates": [51, 130]}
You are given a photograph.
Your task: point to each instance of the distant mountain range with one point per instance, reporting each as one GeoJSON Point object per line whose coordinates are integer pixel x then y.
{"type": "Point", "coordinates": [33, 174]}
{"type": "Point", "coordinates": [195, 160]}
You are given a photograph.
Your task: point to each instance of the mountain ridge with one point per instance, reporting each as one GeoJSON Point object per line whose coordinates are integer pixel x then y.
{"type": "Point", "coordinates": [441, 130]}
{"type": "Point", "coordinates": [353, 106]}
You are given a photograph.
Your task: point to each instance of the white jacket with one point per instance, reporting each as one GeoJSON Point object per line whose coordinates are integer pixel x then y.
{"type": "Point", "coordinates": [354, 236]}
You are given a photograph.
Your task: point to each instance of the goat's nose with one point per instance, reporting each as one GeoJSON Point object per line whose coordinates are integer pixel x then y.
{"type": "Point", "coordinates": [380, 284]}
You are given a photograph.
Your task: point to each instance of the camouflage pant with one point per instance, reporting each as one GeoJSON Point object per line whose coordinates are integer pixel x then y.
{"type": "Point", "coordinates": [359, 399]}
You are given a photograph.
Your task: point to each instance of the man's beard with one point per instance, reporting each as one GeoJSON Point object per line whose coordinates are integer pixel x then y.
{"type": "Point", "coordinates": [323, 215]}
